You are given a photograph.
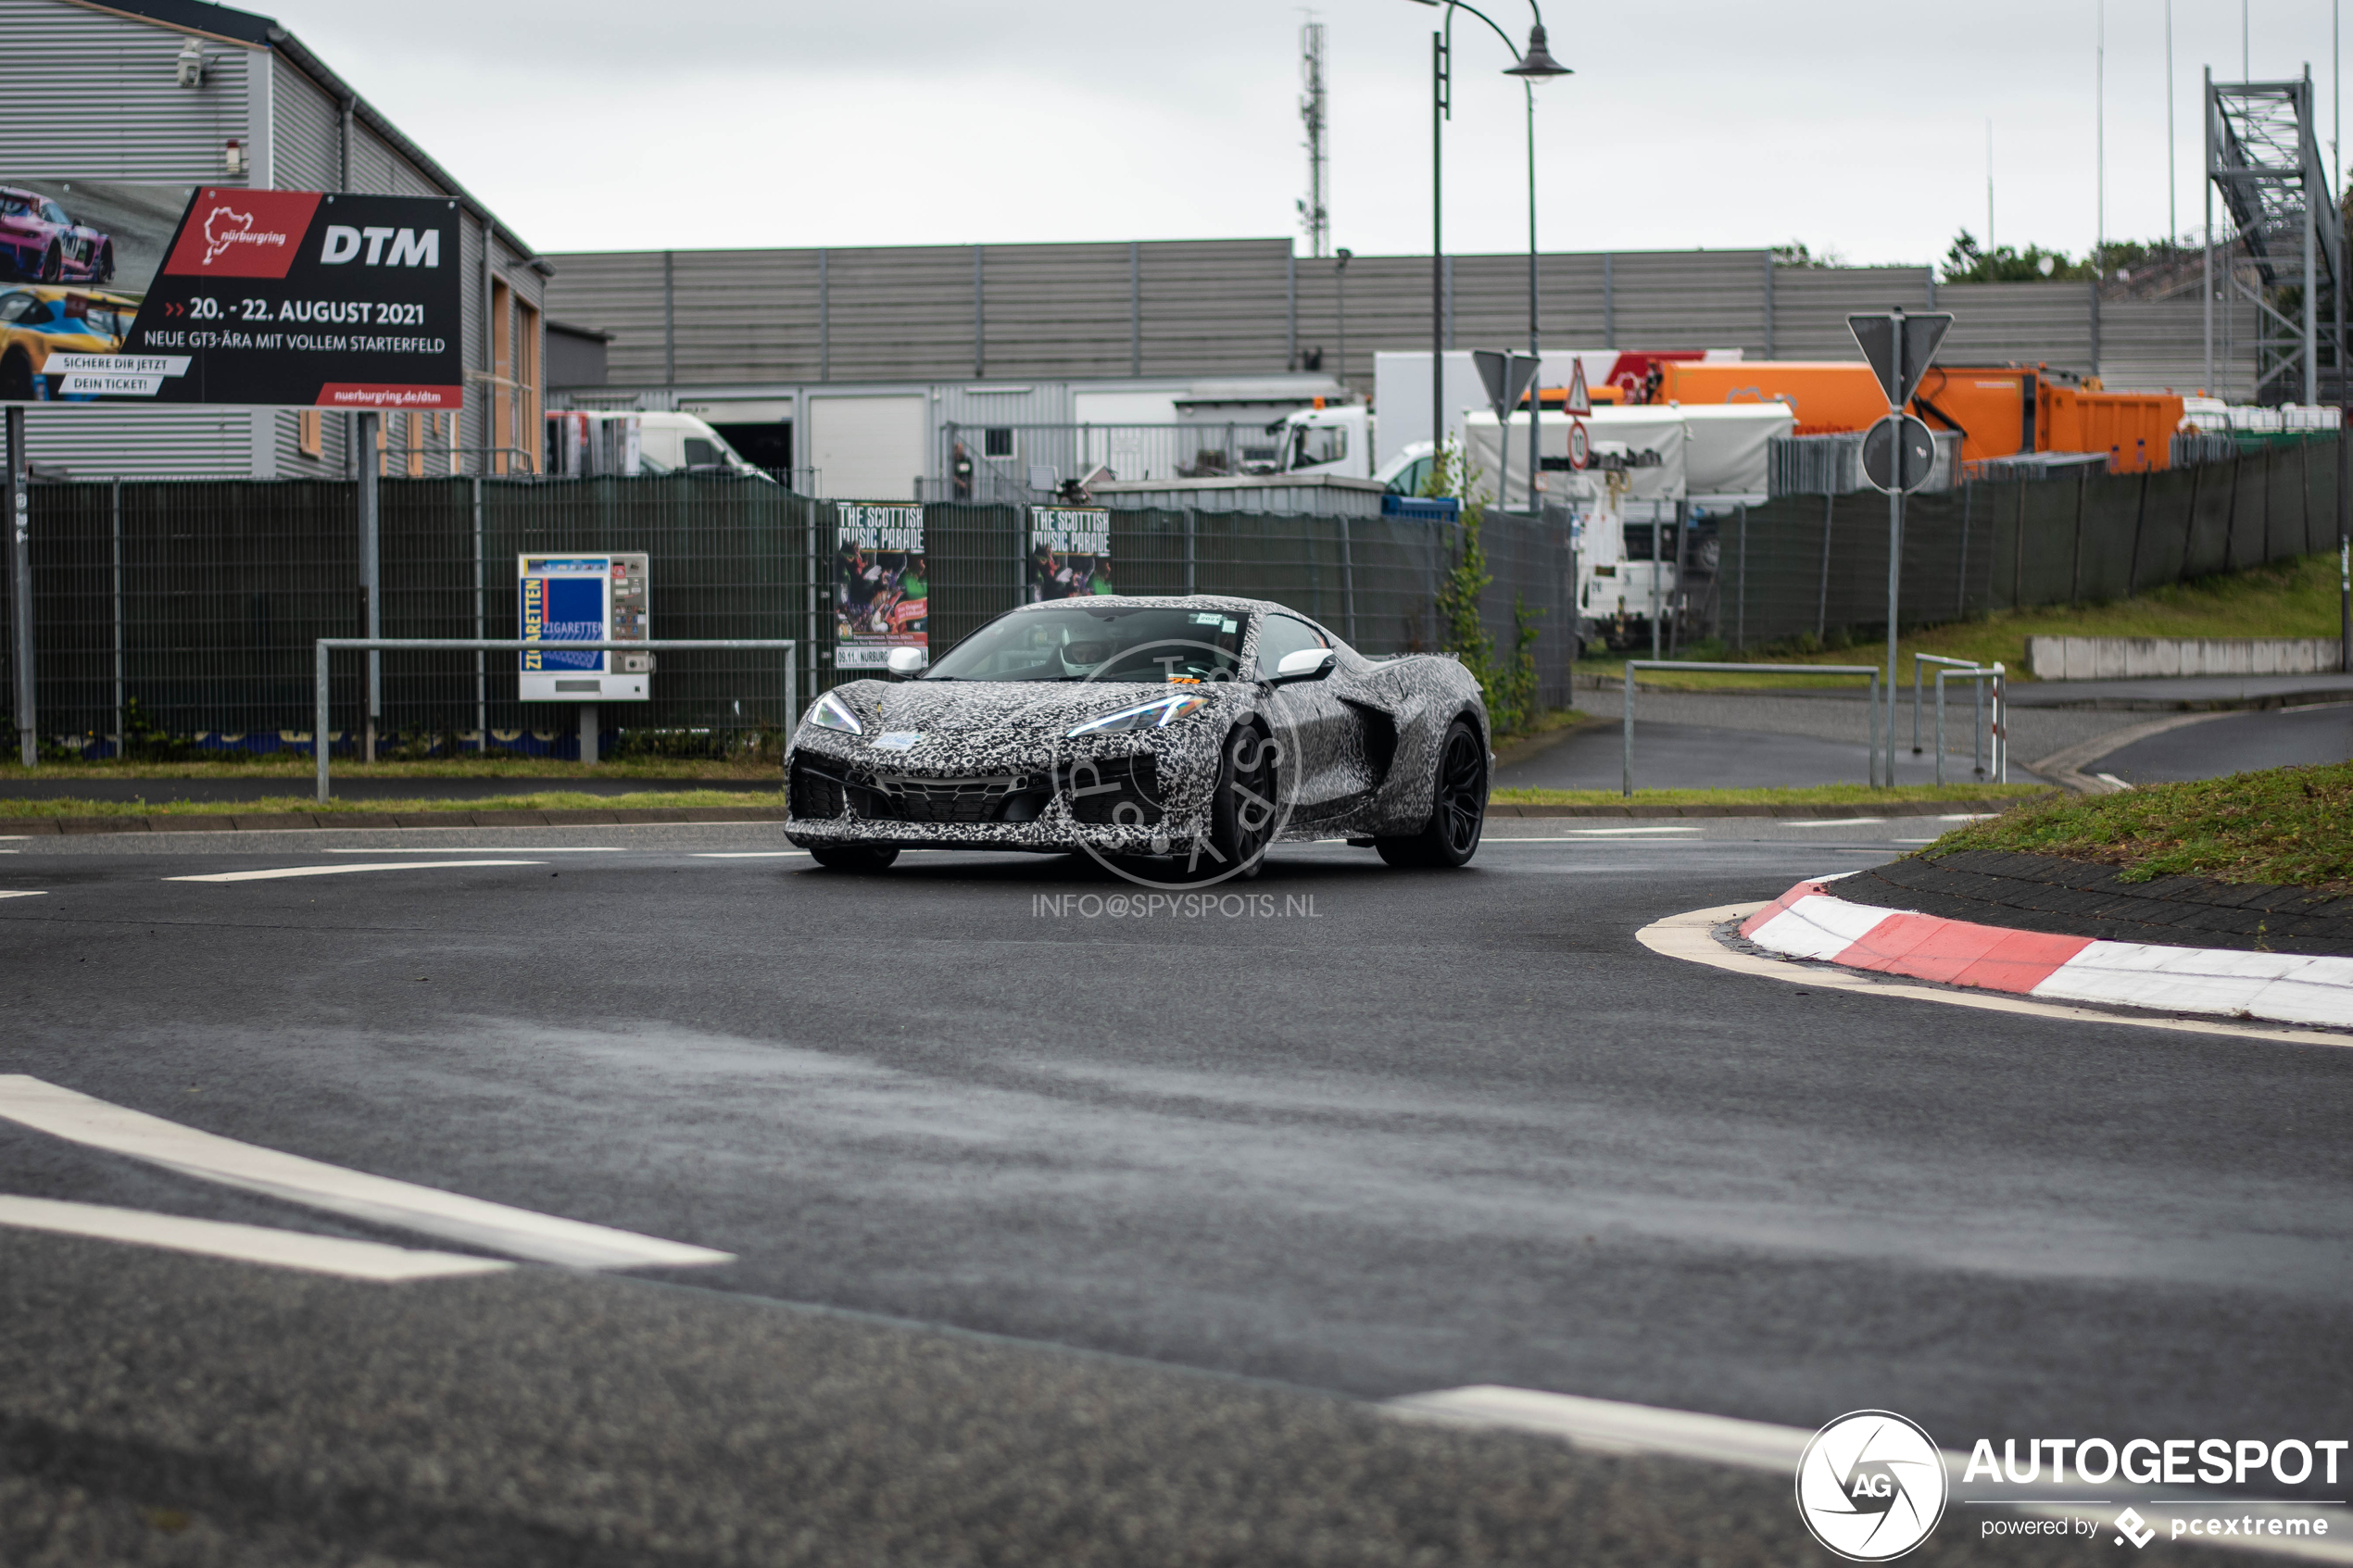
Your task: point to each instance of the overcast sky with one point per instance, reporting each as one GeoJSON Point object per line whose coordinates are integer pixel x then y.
{"type": "Point", "coordinates": [1852, 126]}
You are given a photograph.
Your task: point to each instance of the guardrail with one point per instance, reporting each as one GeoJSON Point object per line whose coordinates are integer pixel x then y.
{"type": "Point", "coordinates": [1977, 731]}
{"type": "Point", "coordinates": [1627, 776]}
{"type": "Point", "coordinates": [319, 746]}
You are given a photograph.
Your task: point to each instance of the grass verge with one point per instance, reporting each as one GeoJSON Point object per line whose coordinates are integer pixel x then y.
{"type": "Point", "coordinates": [1812, 795]}
{"type": "Point", "coordinates": [541, 800]}
{"type": "Point", "coordinates": [282, 766]}
{"type": "Point", "coordinates": [2290, 827]}
{"type": "Point", "coordinates": [2295, 598]}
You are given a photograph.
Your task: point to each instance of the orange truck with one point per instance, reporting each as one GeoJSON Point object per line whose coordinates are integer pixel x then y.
{"type": "Point", "coordinates": [1998, 410]}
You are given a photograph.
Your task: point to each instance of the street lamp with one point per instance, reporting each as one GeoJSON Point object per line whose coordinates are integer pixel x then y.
{"type": "Point", "coordinates": [1535, 65]}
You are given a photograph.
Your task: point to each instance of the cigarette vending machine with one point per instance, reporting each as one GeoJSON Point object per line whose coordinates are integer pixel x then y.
{"type": "Point", "coordinates": [584, 598]}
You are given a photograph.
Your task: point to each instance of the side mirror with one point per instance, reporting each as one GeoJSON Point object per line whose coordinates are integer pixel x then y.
{"type": "Point", "coordinates": [1307, 664]}
{"type": "Point", "coordinates": [906, 663]}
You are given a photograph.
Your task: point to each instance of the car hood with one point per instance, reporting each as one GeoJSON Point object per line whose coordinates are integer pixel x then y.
{"type": "Point", "coordinates": [1014, 710]}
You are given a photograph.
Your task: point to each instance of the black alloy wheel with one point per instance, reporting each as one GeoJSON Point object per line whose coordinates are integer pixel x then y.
{"type": "Point", "coordinates": [854, 857]}
{"type": "Point", "coordinates": [1458, 807]}
{"type": "Point", "coordinates": [1246, 809]}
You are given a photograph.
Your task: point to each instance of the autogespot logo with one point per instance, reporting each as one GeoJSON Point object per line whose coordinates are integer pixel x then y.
{"type": "Point", "coordinates": [1253, 782]}
{"type": "Point", "coordinates": [1870, 1485]}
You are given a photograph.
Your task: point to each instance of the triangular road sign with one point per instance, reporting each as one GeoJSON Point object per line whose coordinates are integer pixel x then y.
{"type": "Point", "coordinates": [1899, 346]}
{"type": "Point", "coordinates": [1580, 400]}
{"type": "Point", "coordinates": [1506, 376]}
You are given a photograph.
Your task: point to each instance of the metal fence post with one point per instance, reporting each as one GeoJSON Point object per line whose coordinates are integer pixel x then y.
{"type": "Point", "coordinates": [318, 723]}
{"type": "Point", "coordinates": [1940, 719]}
{"type": "Point", "coordinates": [20, 584]}
{"type": "Point", "coordinates": [114, 495]}
{"type": "Point", "coordinates": [482, 608]}
{"type": "Point", "coordinates": [1960, 574]}
{"type": "Point", "coordinates": [1822, 603]}
{"type": "Point", "coordinates": [371, 577]}
{"type": "Point", "coordinates": [1626, 759]}
{"type": "Point", "coordinates": [2000, 733]}
{"type": "Point", "coordinates": [1347, 578]}
{"type": "Point", "coordinates": [1740, 605]}
{"type": "Point", "coordinates": [1192, 517]}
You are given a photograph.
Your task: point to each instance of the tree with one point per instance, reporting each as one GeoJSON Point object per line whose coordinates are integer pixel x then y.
{"type": "Point", "coordinates": [1508, 681]}
{"type": "Point", "coordinates": [1969, 262]}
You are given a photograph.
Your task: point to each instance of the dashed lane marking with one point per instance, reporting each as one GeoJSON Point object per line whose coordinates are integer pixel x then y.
{"type": "Point", "coordinates": [749, 854]}
{"type": "Point", "coordinates": [276, 872]}
{"type": "Point", "coordinates": [335, 1255]}
{"type": "Point", "coordinates": [493, 849]}
{"type": "Point", "coordinates": [1836, 822]}
{"type": "Point", "coordinates": [518, 1233]}
{"type": "Point", "coordinates": [23, 892]}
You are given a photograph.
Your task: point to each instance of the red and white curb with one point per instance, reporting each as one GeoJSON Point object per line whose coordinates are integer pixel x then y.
{"type": "Point", "coordinates": [1808, 923]}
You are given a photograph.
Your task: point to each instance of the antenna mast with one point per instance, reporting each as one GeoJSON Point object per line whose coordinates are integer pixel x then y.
{"type": "Point", "coordinates": [1314, 214]}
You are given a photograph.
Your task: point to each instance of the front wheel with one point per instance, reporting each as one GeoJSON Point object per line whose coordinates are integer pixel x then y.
{"type": "Point", "coordinates": [856, 858]}
{"type": "Point", "coordinates": [1458, 807]}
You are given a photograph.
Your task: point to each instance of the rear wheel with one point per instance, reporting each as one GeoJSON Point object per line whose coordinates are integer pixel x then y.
{"type": "Point", "coordinates": [1458, 807]}
{"type": "Point", "coordinates": [104, 271]}
{"type": "Point", "coordinates": [854, 856]}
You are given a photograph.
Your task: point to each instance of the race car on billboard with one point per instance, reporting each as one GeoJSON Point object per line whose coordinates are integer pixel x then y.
{"type": "Point", "coordinates": [39, 320]}
{"type": "Point", "coordinates": [1172, 738]}
{"type": "Point", "coordinates": [38, 241]}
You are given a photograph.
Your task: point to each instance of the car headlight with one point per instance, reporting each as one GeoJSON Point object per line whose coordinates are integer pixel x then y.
{"type": "Point", "coordinates": [1157, 714]}
{"type": "Point", "coordinates": [829, 712]}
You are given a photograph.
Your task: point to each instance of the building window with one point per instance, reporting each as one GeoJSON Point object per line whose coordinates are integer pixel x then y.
{"type": "Point", "coordinates": [310, 436]}
{"type": "Point", "coordinates": [996, 443]}
{"type": "Point", "coordinates": [514, 386]}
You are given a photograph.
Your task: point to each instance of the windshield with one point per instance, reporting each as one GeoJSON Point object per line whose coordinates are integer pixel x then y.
{"type": "Point", "coordinates": [1149, 644]}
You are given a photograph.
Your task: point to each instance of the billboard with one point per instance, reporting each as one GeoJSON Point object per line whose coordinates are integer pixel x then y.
{"type": "Point", "coordinates": [1069, 552]}
{"type": "Point", "coordinates": [583, 598]}
{"type": "Point", "coordinates": [882, 584]}
{"type": "Point", "coordinates": [163, 293]}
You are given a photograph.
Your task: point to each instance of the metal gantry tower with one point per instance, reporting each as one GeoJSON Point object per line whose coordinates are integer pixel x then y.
{"type": "Point", "coordinates": [2263, 161]}
{"type": "Point", "coordinates": [1314, 213]}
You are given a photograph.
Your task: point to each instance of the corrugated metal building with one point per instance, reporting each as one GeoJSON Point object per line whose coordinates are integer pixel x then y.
{"type": "Point", "coordinates": [91, 91]}
{"type": "Point", "coordinates": [699, 322]}
{"type": "Point", "coordinates": [1013, 334]}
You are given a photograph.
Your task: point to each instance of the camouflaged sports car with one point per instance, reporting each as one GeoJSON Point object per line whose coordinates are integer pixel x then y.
{"type": "Point", "coordinates": [1178, 735]}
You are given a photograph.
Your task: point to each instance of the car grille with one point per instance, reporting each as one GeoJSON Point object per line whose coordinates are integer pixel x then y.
{"type": "Point", "coordinates": [1115, 791]}
{"type": "Point", "coordinates": [900, 797]}
{"type": "Point", "coordinates": [814, 795]}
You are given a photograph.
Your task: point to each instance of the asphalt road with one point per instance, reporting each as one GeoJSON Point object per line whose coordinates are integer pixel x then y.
{"type": "Point", "coordinates": [1700, 757]}
{"type": "Point", "coordinates": [1201, 1182]}
{"type": "Point", "coordinates": [2240, 743]}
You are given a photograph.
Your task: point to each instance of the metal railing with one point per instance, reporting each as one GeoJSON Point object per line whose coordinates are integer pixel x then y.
{"type": "Point", "coordinates": [326, 646]}
{"type": "Point", "coordinates": [1626, 782]}
{"type": "Point", "coordinates": [1980, 734]}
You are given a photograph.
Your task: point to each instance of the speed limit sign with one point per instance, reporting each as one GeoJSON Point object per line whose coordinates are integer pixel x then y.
{"type": "Point", "coordinates": [1581, 446]}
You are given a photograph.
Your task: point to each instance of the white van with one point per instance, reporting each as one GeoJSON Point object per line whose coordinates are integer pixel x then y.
{"type": "Point", "coordinates": [582, 443]}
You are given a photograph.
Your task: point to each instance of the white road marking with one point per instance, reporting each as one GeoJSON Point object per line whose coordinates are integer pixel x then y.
{"type": "Point", "coordinates": [23, 892]}
{"type": "Point", "coordinates": [748, 854]}
{"type": "Point", "coordinates": [2112, 779]}
{"type": "Point", "coordinates": [518, 1231]}
{"type": "Point", "coordinates": [1692, 938]}
{"type": "Point", "coordinates": [276, 872]}
{"type": "Point", "coordinates": [1911, 841]}
{"type": "Point", "coordinates": [1597, 832]}
{"type": "Point", "coordinates": [493, 849]}
{"type": "Point", "coordinates": [247, 1244]}
{"type": "Point", "coordinates": [1969, 817]}
{"type": "Point", "coordinates": [1610, 1426]}
{"type": "Point", "coordinates": [1835, 823]}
